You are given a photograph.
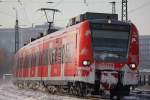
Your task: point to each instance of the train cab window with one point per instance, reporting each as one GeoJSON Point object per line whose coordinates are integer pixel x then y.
{"type": "Point", "coordinates": [110, 42]}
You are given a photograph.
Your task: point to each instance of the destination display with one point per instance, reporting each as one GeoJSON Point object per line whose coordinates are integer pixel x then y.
{"type": "Point", "coordinates": [110, 27]}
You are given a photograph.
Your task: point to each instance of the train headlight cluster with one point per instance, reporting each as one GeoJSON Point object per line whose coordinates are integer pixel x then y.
{"type": "Point", "coordinates": [132, 66]}
{"type": "Point", "coordinates": [86, 62]}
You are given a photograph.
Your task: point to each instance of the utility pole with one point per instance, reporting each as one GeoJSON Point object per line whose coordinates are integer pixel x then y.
{"type": "Point", "coordinates": [50, 22]}
{"type": "Point", "coordinates": [113, 7]}
{"type": "Point", "coordinates": [16, 32]}
{"type": "Point", "coordinates": [124, 11]}
{"type": "Point", "coordinates": [85, 2]}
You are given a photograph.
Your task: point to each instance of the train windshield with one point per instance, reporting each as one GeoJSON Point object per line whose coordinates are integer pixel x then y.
{"type": "Point", "coordinates": [110, 43]}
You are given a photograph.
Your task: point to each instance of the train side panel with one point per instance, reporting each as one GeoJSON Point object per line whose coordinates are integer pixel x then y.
{"type": "Point", "coordinates": [87, 72]}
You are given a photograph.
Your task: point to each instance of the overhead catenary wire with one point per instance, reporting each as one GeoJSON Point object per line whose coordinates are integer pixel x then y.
{"type": "Point", "coordinates": [20, 2]}
{"type": "Point", "coordinates": [58, 3]}
{"type": "Point", "coordinates": [140, 7]}
{"type": "Point", "coordinates": [7, 14]}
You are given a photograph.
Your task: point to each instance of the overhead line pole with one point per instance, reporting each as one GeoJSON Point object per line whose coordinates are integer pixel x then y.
{"type": "Point", "coordinates": [124, 11]}
{"type": "Point", "coordinates": [113, 7]}
{"type": "Point", "coordinates": [16, 32]}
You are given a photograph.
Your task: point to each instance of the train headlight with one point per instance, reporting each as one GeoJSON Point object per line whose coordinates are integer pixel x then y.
{"type": "Point", "coordinates": [86, 63]}
{"type": "Point", "coordinates": [132, 66]}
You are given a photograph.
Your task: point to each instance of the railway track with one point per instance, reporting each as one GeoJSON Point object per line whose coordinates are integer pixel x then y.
{"type": "Point", "coordinates": [144, 94]}
{"type": "Point", "coordinates": [10, 92]}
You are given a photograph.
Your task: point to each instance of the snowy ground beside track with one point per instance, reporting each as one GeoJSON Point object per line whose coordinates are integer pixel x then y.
{"type": "Point", "coordinates": [10, 92]}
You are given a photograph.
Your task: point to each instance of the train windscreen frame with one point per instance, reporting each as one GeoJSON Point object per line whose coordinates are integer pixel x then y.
{"type": "Point", "coordinates": [110, 42]}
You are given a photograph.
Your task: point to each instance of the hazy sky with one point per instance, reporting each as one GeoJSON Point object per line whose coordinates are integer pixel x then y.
{"type": "Point", "coordinates": [28, 13]}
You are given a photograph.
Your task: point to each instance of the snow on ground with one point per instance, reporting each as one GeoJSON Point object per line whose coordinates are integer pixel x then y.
{"type": "Point", "coordinates": [131, 98]}
{"type": "Point", "coordinates": [10, 92]}
{"type": "Point", "coordinates": [144, 88]}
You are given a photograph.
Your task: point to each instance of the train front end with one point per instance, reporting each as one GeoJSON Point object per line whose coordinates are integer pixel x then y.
{"type": "Point", "coordinates": [116, 56]}
{"type": "Point", "coordinates": [108, 53]}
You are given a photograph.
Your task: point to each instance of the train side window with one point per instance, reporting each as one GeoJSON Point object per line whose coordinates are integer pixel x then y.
{"type": "Point", "coordinates": [15, 64]}
{"type": "Point", "coordinates": [37, 59]}
{"type": "Point", "coordinates": [24, 62]}
{"type": "Point", "coordinates": [53, 56]}
{"type": "Point", "coordinates": [18, 63]}
{"type": "Point", "coordinates": [27, 59]}
{"type": "Point", "coordinates": [32, 60]}
{"type": "Point", "coordinates": [40, 58]}
{"type": "Point", "coordinates": [45, 57]}
{"type": "Point", "coordinates": [29, 64]}
{"type": "Point", "coordinates": [50, 56]}
{"type": "Point", "coordinates": [32, 63]}
{"type": "Point", "coordinates": [76, 40]}
{"type": "Point", "coordinates": [58, 55]}
{"type": "Point", "coordinates": [63, 54]}
{"type": "Point", "coordinates": [68, 53]}
{"type": "Point", "coordinates": [21, 62]}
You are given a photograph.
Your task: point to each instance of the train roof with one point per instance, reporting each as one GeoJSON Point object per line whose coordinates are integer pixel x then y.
{"type": "Point", "coordinates": [54, 34]}
{"type": "Point", "coordinates": [91, 16]}
{"type": "Point", "coordinates": [107, 21]}
{"type": "Point", "coordinates": [76, 22]}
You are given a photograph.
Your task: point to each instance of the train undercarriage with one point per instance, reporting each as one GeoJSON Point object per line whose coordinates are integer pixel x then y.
{"type": "Point", "coordinates": [115, 88]}
{"type": "Point", "coordinates": [77, 88]}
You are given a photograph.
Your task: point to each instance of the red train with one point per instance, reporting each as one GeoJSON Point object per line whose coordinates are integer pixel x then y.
{"type": "Point", "coordinates": [96, 53]}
